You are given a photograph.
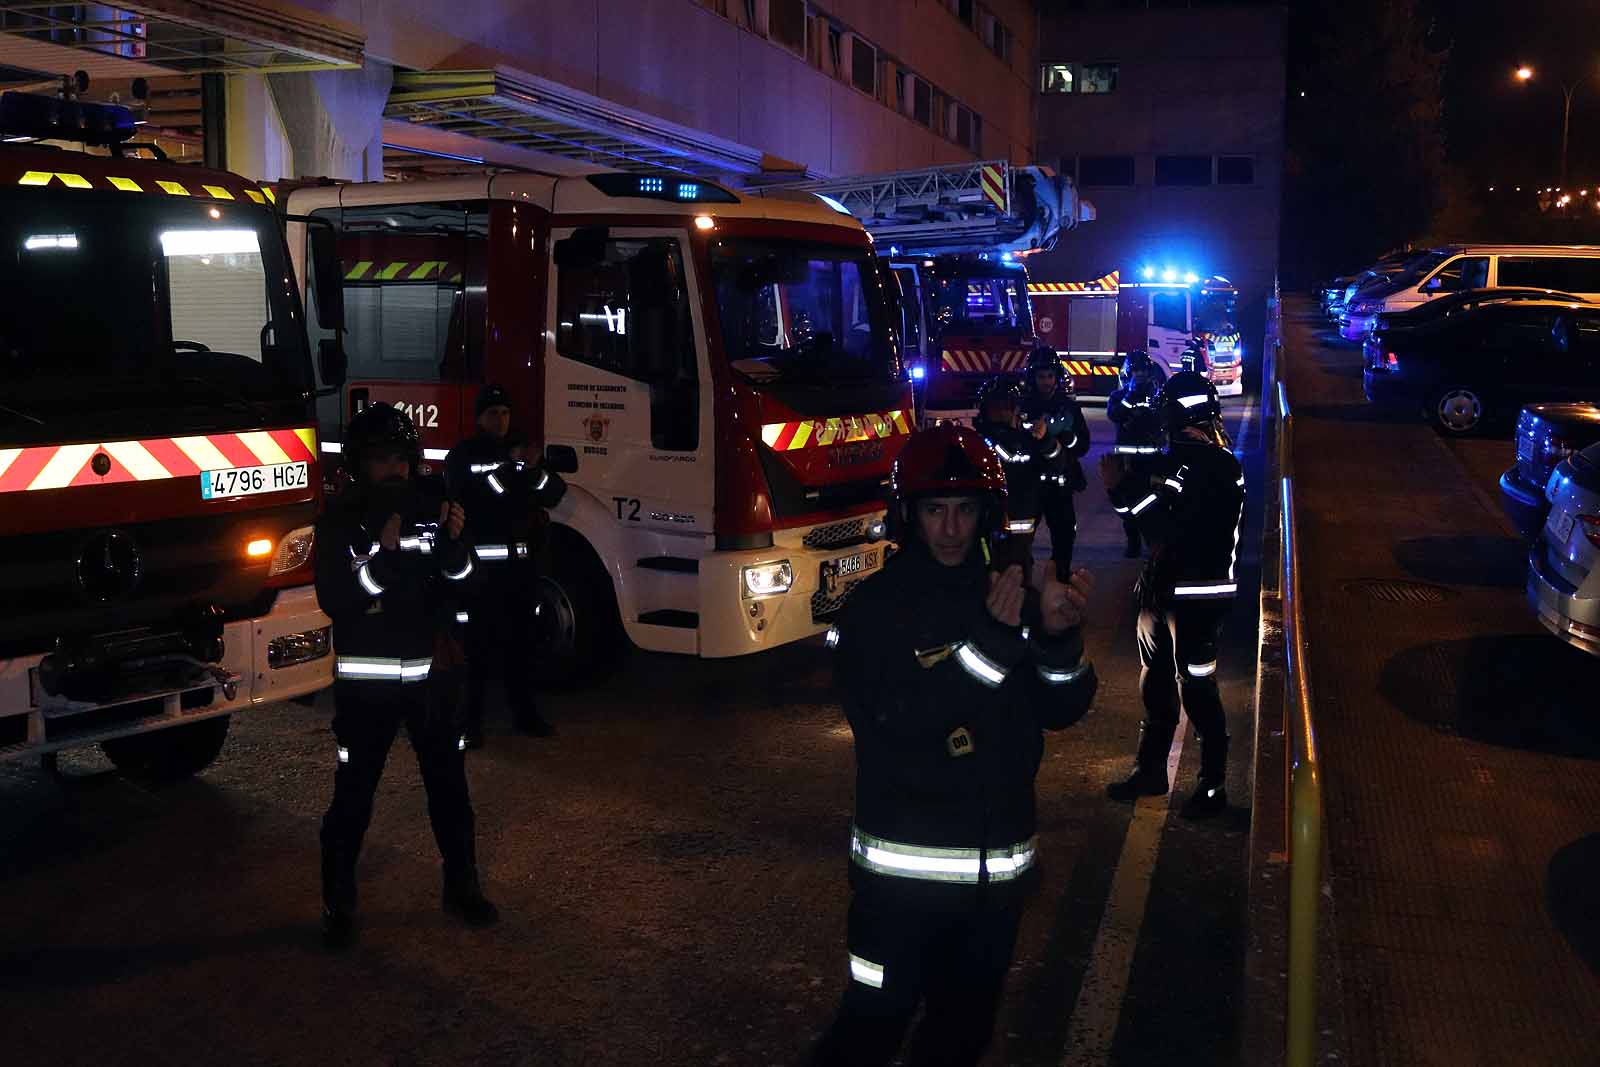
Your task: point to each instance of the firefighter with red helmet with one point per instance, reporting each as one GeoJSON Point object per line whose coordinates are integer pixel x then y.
{"type": "Point", "coordinates": [389, 556]}
{"type": "Point", "coordinates": [1051, 412]}
{"type": "Point", "coordinates": [1189, 503]}
{"type": "Point", "coordinates": [949, 671]}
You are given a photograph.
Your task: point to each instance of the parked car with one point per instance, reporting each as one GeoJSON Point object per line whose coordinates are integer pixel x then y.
{"type": "Point", "coordinates": [1564, 563]}
{"type": "Point", "coordinates": [1455, 268]}
{"type": "Point", "coordinates": [1450, 303]}
{"type": "Point", "coordinates": [1546, 435]}
{"type": "Point", "coordinates": [1481, 364]}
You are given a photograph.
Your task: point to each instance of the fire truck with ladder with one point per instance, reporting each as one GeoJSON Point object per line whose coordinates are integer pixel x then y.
{"type": "Point", "coordinates": [956, 237]}
{"type": "Point", "coordinates": [715, 375]}
{"type": "Point", "coordinates": [158, 453]}
{"type": "Point", "coordinates": [1176, 315]}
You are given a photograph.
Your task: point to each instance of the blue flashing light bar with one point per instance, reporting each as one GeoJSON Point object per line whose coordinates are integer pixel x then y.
{"type": "Point", "coordinates": [688, 190]}
{"type": "Point", "coordinates": [652, 185]}
{"type": "Point", "coordinates": [918, 372]}
{"type": "Point", "coordinates": [661, 187]}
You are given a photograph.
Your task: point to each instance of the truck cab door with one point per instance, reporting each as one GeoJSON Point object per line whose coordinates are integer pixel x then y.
{"type": "Point", "coordinates": [1169, 328]}
{"type": "Point", "coordinates": [628, 401]}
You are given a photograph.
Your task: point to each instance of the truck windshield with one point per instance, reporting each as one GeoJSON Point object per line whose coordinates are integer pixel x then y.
{"type": "Point", "coordinates": [974, 304]}
{"type": "Point", "coordinates": [130, 316]}
{"type": "Point", "coordinates": [800, 313]}
{"type": "Point", "coordinates": [1214, 313]}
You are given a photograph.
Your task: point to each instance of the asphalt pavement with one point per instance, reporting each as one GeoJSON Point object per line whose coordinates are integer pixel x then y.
{"type": "Point", "coordinates": [670, 867]}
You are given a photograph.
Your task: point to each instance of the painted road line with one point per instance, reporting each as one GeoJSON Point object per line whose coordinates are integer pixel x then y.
{"type": "Point", "coordinates": [1105, 981]}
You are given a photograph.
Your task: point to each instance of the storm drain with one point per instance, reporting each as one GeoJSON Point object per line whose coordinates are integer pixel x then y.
{"type": "Point", "coordinates": [1399, 592]}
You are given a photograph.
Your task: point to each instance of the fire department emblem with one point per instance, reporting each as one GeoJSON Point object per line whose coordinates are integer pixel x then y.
{"type": "Point", "coordinates": [598, 426]}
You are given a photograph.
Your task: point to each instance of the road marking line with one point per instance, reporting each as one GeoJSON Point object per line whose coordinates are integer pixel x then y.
{"type": "Point", "coordinates": [1093, 1025]}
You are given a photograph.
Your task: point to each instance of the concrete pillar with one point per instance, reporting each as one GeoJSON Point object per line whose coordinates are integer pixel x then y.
{"type": "Point", "coordinates": [333, 120]}
{"type": "Point", "coordinates": [257, 144]}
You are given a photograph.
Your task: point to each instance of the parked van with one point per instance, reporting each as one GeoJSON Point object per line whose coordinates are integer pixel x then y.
{"type": "Point", "coordinates": [1570, 268]}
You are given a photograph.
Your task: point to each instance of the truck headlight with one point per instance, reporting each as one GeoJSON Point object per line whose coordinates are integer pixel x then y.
{"type": "Point", "coordinates": [293, 551]}
{"type": "Point", "coordinates": [290, 649]}
{"type": "Point", "coordinates": [767, 579]}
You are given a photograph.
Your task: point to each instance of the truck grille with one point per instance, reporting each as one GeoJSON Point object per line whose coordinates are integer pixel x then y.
{"type": "Point", "coordinates": [837, 534]}
{"type": "Point", "coordinates": [825, 607]}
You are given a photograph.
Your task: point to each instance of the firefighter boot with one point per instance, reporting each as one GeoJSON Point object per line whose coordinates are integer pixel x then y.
{"type": "Point", "coordinates": [338, 901]}
{"type": "Point", "coordinates": [1149, 777]}
{"type": "Point", "coordinates": [463, 898]}
{"type": "Point", "coordinates": [1211, 795]}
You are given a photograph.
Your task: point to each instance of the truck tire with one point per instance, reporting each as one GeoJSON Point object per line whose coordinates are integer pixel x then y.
{"type": "Point", "coordinates": [577, 626]}
{"type": "Point", "coordinates": [170, 754]}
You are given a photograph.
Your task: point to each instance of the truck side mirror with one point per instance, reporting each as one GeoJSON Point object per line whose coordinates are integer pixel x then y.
{"type": "Point", "coordinates": [332, 363]}
{"type": "Point", "coordinates": [328, 276]}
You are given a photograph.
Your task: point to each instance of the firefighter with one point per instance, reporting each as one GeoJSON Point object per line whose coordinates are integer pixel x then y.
{"type": "Point", "coordinates": [949, 672]}
{"type": "Point", "coordinates": [1022, 458]}
{"type": "Point", "coordinates": [1131, 409]}
{"type": "Point", "coordinates": [1049, 410]}
{"type": "Point", "coordinates": [507, 495]}
{"type": "Point", "coordinates": [386, 553]}
{"type": "Point", "coordinates": [1188, 501]}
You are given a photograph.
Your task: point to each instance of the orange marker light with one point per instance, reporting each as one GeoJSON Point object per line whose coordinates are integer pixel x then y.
{"type": "Point", "coordinates": [704, 222]}
{"type": "Point", "coordinates": [258, 548]}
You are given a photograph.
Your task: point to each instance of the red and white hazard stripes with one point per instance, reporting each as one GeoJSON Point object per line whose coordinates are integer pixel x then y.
{"type": "Point", "coordinates": [819, 433]}
{"type": "Point", "coordinates": [149, 459]}
{"type": "Point", "coordinates": [1107, 284]}
{"type": "Point", "coordinates": [1087, 369]}
{"type": "Point", "coordinates": [993, 179]}
{"type": "Point", "coordinates": [982, 360]}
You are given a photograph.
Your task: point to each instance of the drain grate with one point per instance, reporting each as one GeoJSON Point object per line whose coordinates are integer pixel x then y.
{"type": "Point", "coordinates": [1391, 591]}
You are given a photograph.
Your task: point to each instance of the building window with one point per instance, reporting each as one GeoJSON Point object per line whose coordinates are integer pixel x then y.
{"type": "Point", "coordinates": [922, 101]}
{"type": "Point", "coordinates": [966, 11]}
{"type": "Point", "coordinates": [1236, 170]}
{"type": "Point", "coordinates": [977, 137]}
{"type": "Point", "coordinates": [1001, 42]}
{"type": "Point", "coordinates": [1055, 77]}
{"type": "Point", "coordinates": [961, 133]}
{"type": "Point", "coordinates": [1097, 77]}
{"type": "Point", "coordinates": [1105, 170]}
{"type": "Point", "coordinates": [832, 64]}
{"type": "Point", "coordinates": [786, 23]}
{"type": "Point", "coordinates": [941, 114]}
{"type": "Point", "coordinates": [1183, 170]}
{"type": "Point", "coordinates": [863, 66]}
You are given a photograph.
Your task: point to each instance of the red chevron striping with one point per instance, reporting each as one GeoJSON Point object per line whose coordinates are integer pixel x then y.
{"type": "Point", "coordinates": [170, 456]}
{"type": "Point", "coordinates": [234, 450]}
{"type": "Point", "coordinates": [25, 468]}
{"type": "Point", "coordinates": [291, 444]}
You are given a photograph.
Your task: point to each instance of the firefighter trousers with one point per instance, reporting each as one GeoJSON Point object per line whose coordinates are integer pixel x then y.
{"type": "Point", "coordinates": [1057, 512]}
{"type": "Point", "coordinates": [367, 715]}
{"type": "Point", "coordinates": [1178, 668]}
{"type": "Point", "coordinates": [500, 641]}
{"type": "Point", "coordinates": [954, 963]}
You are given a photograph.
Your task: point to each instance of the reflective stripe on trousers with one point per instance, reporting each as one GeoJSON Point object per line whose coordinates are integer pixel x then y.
{"type": "Point", "coordinates": [925, 863]}
{"type": "Point", "coordinates": [382, 668]}
{"type": "Point", "coordinates": [1205, 590]}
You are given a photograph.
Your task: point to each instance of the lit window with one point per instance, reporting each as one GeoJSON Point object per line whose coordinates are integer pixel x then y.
{"type": "Point", "coordinates": [1097, 77]}
{"type": "Point", "coordinates": [1055, 77]}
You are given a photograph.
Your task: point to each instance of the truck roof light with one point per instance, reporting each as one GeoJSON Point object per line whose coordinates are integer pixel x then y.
{"type": "Point", "coordinates": [209, 242]}
{"type": "Point", "coordinates": [1169, 274]}
{"type": "Point", "coordinates": [671, 186]}
{"type": "Point", "coordinates": [831, 202]}
{"type": "Point", "coordinates": [50, 118]}
{"type": "Point", "coordinates": [1191, 277]}
{"type": "Point", "coordinates": [50, 240]}
{"type": "Point", "coordinates": [704, 222]}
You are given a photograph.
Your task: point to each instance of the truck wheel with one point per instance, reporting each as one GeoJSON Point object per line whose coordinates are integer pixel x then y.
{"type": "Point", "coordinates": [170, 754]}
{"type": "Point", "coordinates": [1457, 411]}
{"type": "Point", "coordinates": [577, 626]}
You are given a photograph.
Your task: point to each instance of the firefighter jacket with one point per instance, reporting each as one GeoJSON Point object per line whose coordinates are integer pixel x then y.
{"type": "Point", "coordinates": [504, 498]}
{"type": "Point", "coordinates": [388, 606]}
{"type": "Point", "coordinates": [1132, 411]}
{"type": "Point", "coordinates": [1188, 502]}
{"type": "Point", "coordinates": [1064, 424]}
{"type": "Point", "coordinates": [947, 706]}
{"type": "Point", "coordinates": [1027, 462]}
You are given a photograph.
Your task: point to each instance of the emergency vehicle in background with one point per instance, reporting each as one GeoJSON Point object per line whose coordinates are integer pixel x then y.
{"type": "Point", "coordinates": [715, 375]}
{"type": "Point", "coordinates": [1094, 324]}
{"type": "Point", "coordinates": [158, 453]}
{"type": "Point", "coordinates": [956, 237]}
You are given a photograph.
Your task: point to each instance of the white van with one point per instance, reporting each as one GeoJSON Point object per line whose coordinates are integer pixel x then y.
{"type": "Point", "coordinates": [1571, 269]}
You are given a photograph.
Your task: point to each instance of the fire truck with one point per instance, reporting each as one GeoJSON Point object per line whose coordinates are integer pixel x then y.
{"type": "Point", "coordinates": [956, 237]}
{"type": "Point", "coordinates": [158, 452]}
{"type": "Point", "coordinates": [1177, 316]}
{"type": "Point", "coordinates": [714, 374]}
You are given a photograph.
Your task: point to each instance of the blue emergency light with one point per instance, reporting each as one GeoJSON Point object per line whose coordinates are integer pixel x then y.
{"type": "Point", "coordinates": [50, 118]}
{"type": "Point", "coordinates": [918, 372]}
{"type": "Point", "coordinates": [662, 187]}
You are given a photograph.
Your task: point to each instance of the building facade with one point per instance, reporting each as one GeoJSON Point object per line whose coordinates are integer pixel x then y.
{"type": "Point", "coordinates": [1171, 120]}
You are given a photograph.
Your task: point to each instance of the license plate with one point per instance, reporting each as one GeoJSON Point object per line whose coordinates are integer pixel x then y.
{"type": "Point", "coordinates": [1560, 527]}
{"type": "Point", "coordinates": [244, 481]}
{"type": "Point", "coordinates": [845, 566]}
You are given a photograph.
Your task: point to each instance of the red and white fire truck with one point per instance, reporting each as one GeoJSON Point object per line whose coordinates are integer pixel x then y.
{"type": "Point", "coordinates": [715, 375]}
{"type": "Point", "coordinates": [158, 452]}
{"type": "Point", "coordinates": [1095, 323]}
{"type": "Point", "coordinates": [956, 237]}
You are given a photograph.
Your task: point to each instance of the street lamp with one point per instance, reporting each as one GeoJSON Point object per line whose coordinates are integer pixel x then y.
{"type": "Point", "coordinates": [1525, 74]}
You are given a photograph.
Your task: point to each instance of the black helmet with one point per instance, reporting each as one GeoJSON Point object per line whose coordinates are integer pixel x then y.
{"type": "Point", "coordinates": [997, 390]}
{"type": "Point", "coordinates": [1188, 399]}
{"type": "Point", "coordinates": [492, 395]}
{"type": "Point", "coordinates": [1138, 369]}
{"type": "Point", "coordinates": [1043, 357]}
{"type": "Point", "coordinates": [379, 426]}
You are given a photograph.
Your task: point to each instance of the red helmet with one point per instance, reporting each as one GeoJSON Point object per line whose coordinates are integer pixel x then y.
{"type": "Point", "coordinates": [946, 460]}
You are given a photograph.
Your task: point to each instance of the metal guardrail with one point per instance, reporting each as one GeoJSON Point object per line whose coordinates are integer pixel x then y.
{"type": "Point", "coordinates": [1303, 776]}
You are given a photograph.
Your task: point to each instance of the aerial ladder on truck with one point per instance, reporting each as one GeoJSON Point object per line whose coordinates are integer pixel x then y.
{"type": "Point", "coordinates": [955, 237]}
